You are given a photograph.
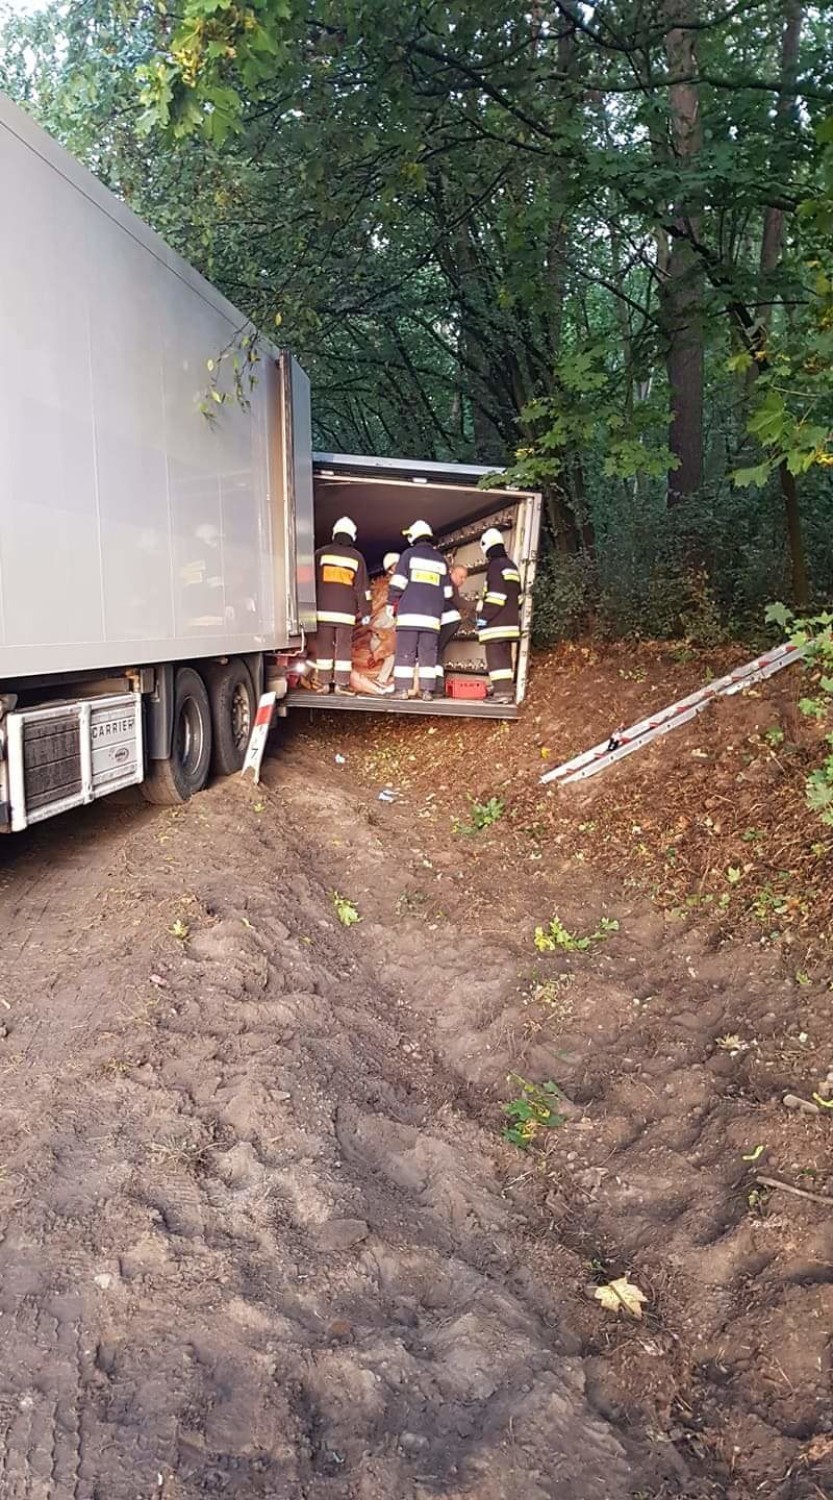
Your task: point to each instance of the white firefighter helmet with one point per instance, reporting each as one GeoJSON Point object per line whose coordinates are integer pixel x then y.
{"type": "Point", "coordinates": [491, 538]}
{"type": "Point", "coordinates": [417, 530]}
{"type": "Point", "coordinates": [345, 527]}
{"type": "Point", "coordinates": [390, 560]}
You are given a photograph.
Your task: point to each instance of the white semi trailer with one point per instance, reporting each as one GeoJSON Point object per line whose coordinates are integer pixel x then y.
{"type": "Point", "coordinates": [156, 567]}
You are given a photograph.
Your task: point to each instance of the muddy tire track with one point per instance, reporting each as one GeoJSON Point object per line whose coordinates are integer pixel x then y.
{"type": "Point", "coordinates": [674, 1049]}
{"type": "Point", "coordinates": [251, 1245]}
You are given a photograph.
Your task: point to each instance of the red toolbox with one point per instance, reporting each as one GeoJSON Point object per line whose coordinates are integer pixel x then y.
{"type": "Point", "coordinates": [465, 687]}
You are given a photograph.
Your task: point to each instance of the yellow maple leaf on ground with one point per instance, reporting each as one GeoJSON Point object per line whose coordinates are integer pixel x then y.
{"type": "Point", "coordinates": [621, 1295]}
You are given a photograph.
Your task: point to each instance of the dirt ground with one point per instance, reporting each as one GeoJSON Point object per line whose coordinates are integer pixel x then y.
{"type": "Point", "coordinates": [260, 1234]}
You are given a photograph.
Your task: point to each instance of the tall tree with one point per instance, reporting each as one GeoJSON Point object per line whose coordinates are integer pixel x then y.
{"type": "Point", "coordinates": [772, 243]}
{"type": "Point", "coordinates": [683, 282]}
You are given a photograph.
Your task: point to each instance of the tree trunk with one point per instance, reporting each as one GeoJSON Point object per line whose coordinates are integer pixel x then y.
{"type": "Point", "coordinates": [795, 538]}
{"type": "Point", "coordinates": [682, 294]}
{"type": "Point", "coordinates": [578, 487]}
{"type": "Point", "coordinates": [772, 242]}
{"type": "Point", "coordinates": [489, 445]}
{"type": "Point", "coordinates": [772, 239]}
{"type": "Point", "coordinates": [567, 507]}
{"type": "Point", "coordinates": [556, 178]}
{"type": "Point", "coordinates": [560, 515]}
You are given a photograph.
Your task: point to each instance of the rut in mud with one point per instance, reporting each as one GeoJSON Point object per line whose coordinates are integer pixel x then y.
{"type": "Point", "coordinates": [250, 1246]}
{"type": "Point", "coordinates": [260, 1234]}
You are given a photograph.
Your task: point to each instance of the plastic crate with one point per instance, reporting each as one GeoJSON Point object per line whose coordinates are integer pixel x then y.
{"type": "Point", "coordinates": [465, 687]}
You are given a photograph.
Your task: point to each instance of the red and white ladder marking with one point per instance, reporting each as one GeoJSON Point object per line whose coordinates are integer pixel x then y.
{"type": "Point", "coordinates": [625, 741]}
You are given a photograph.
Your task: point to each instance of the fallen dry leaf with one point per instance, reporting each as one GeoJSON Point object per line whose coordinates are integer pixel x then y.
{"type": "Point", "coordinates": [819, 1448]}
{"type": "Point", "coordinates": [621, 1295]}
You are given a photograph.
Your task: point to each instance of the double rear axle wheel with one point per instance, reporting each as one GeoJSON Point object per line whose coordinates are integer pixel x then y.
{"type": "Point", "coordinates": [213, 714]}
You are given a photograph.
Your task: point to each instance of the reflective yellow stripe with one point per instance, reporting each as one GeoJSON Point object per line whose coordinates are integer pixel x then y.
{"type": "Point", "coordinates": [512, 575]}
{"type": "Point", "coordinates": [499, 633]}
{"type": "Point", "coordinates": [493, 598]}
{"type": "Point", "coordinates": [335, 560]}
{"type": "Point", "coordinates": [417, 622]}
{"type": "Point", "coordinates": [332, 617]}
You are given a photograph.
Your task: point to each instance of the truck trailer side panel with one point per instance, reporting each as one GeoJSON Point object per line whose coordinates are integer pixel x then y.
{"type": "Point", "coordinates": [132, 529]}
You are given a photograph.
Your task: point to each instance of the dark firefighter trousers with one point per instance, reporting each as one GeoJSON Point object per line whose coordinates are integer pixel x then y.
{"type": "Point", "coordinates": [331, 653]}
{"type": "Point", "coordinates": [499, 663]}
{"type": "Point", "coordinates": [415, 648]}
{"type": "Point", "coordinates": [446, 636]}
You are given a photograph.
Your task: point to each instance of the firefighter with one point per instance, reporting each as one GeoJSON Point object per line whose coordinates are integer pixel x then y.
{"type": "Point", "coordinates": [451, 621]}
{"type": "Point", "coordinates": [342, 591]}
{"type": "Point", "coordinates": [499, 625]}
{"type": "Point", "coordinates": [420, 592]}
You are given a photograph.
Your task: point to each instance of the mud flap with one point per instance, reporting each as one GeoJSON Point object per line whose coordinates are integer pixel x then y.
{"type": "Point", "coordinates": [260, 734]}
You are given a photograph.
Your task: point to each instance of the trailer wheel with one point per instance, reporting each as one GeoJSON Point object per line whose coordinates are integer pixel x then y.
{"type": "Point", "coordinates": [233, 708]}
{"type": "Point", "coordinates": [186, 770]}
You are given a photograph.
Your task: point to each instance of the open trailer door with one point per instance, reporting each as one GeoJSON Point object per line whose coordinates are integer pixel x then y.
{"type": "Point", "coordinates": [292, 480]}
{"type": "Point", "coordinates": [527, 560]}
{"type": "Point", "coordinates": [383, 496]}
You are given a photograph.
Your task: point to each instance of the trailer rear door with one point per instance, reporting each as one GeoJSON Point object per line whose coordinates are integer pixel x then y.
{"type": "Point", "coordinates": [529, 533]}
{"type": "Point", "coordinates": [298, 527]}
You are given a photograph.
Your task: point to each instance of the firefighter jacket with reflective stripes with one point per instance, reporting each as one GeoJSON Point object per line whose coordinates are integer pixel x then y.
{"type": "Point", "coordinates": [501, 607]}
{"type": "Point", "coordinates": [422, 587]}
{"type": "Point", "coordinates": [342, 588]}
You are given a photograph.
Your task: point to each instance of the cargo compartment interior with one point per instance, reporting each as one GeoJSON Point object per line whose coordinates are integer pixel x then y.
{"type": "Point", "coordinates": [383, 497]}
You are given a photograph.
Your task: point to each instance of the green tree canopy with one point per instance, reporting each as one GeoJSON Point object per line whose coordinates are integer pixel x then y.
{"type": "Point", "coordinates": [589, 241]}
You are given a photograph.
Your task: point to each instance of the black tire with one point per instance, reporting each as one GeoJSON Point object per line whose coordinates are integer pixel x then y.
{"type": "Point", "coordinates": [185, 772]}
{"type": "Point", "coordinates": [233, 710]}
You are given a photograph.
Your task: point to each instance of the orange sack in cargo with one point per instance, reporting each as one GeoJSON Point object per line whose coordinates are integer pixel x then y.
{"type": "Point", "coordinates": [374, 645]}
